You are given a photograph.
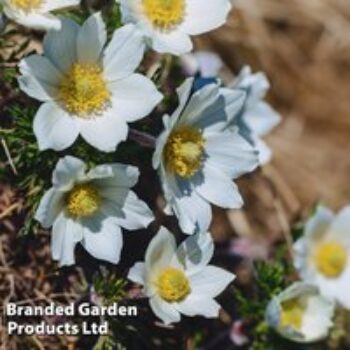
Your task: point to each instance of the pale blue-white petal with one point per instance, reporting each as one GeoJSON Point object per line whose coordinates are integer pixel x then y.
{"type": "Point", "coordinates": [51, 204]}
{"type": "Point", "coordinates": [91, 39]}
{"type": "Point", "coordinates": [135, 97]}
{"type": "Point", "coordinates": [54, 128]}
{"type": "Point", "coordinates": [60, 47]}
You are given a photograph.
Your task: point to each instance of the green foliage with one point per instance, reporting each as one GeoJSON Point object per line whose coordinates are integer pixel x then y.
{"type": "Point", "coordinates": [108, 343]}
{"type": "Point", "coordinates": [270, 279]}
{"type": "Point", "coordinates": [109, 287]}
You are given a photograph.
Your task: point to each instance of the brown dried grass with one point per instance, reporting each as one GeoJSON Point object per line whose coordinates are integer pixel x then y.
{"type": "Point", "coordinates": [304, 47]}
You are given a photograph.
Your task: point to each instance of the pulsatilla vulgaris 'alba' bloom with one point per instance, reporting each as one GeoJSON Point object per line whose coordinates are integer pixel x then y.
{"type": "Point", "coordinates": [257, 118]}
{"type": "Point", "coordinates": [168, 24]}
{"type": "Point", "coordinates": [198, 156]}
{"type": "Point", "coordinates": [87, 89]}
{"type": "Point", "coordinates": [322, 255]}
{"type": "Point", "coordinates": [90, 207]}
{"type": "Point", "coordinates": [179, 280]}
{"type": "Point", "coordinates": [36, 13]}
{"type": "Point", "coordinates": [301, 314]}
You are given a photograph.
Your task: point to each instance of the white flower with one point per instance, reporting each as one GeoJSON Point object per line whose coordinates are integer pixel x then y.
{"type": "Point", "coordinates": [322, 255]}
{"type": "Point", "coordinates": [87, 89]}
{"type": "Point", "coordinates": [90, 207]}
{"type": "Point", "coordinates": [205, 63]}
{"type": "Point", "coordinates": [257, 118]}
{"type": "Point", "coordinates": [300, 314]}
{"type": "Point", "coordinates": [36, 13]}
{"type": "Point", "coordinates": [168, 25]}
{"type": "Point", "coordinates": [180, 281]}
{"type": "Point", "coordinates": [198, 156]}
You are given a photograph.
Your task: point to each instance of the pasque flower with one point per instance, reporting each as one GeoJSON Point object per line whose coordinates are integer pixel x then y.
{"type": "Point", "coordinates": [300, 314]}
{"type": "Point", "coordinates": [36, 13]}
{"type": "Point", "coordinates": [257, 117]}
{"type": "Point", "coordinates": [198, 156]}
{"type": "Point", "coordinates": [322, 255]}
{"type": "Point", "coordinates": [168, 24]}
{"type": "Point", "coordinates": [87, 89]}
{"type": "Point", "coordinates": [91, 207]}
{"type": "Point", "coordinates": [179, 280]}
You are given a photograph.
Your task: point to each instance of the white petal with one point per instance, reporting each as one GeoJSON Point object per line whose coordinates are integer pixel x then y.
{"type": "Point", "coordinates": [196, 252]}
{"type": "Point", "coordinates": [135, 213]}
{"type": "Point", "coordinates": [66, 233]}
{"type": "Point", "coordinates": [159, 252]}
{"type": "Point", "coordinates": [52, 5]}
{"type": "Point", "coordinates": [114, 175]}
{"type": "Point", "coordinates": [34, 20]}
{"type": "Point", "coordinates": [261, 119]}
{"type": "Point", "coordinates": [160, 144]}
{"type": "Point", "coordinates": [317, 318]}
{"type": "Point", "coordinates": [218, 189]}
{"type": "Point", "coordinates": [40, 78]}
{"type": "Point", "coordinates": [60, 47]}
{"type": "Point", "coordinates": [210, 63]}
{"type": "Point", "coordinates": [230, 153]}
{"type": "Point", "coordinates": [67, 171]}
{"type": "Point", "coordinates": [234, 101]}
{"type": "Point", "coordinates": [211, 281]}
{"type": "Point", "coordinates": [340, 225]}
{"type": "Point", "coordinates": [137, 273]}
{"type": "Point", "coordinates": [54, 128]}
{"type": "Point", "coordinates": [183, 93]}
{"type": "Point", "coordinates": [193, 212]}
{"type": "Point", "coordinates": [195, 305]}
{"type": "Point", "coordinates": [173, 42]}
{"type": "Point", "coordinates": [165, 311]}
{"type": "Point", "coordinates": [50, 206]}
{"type": "Point", "coordinates": [91, 39]}
{"type": "Point", "coordinates": [209, 109]}
{"type": "Point", "coordinates": [205, 16]}
{"type": "Point", "coordinates": [105, 244]}
{"type": "Point", "coordinates": [124, 53]}
{"type": "Point", "coordinates": [319, 223]}
{"type": "Point", "coordinates": [104, 132]}
{"type": "Point", "coordinates": [265, 152]}
{"type": "Point", "coordinates": [135, 97]}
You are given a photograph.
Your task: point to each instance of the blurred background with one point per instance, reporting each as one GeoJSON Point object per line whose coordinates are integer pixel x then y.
{"type": "Point", "coordinates": [304, 49]}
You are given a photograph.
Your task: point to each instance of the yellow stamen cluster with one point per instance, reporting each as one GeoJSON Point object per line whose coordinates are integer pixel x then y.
{"type": "Point", "coordinates": [173, 285]}
{"type": "Point", "coordinates": [26, 5]}
{"type": "Point", "coordinates": [184, 151]}
{"type": "Point", "coordinates": [165, 15]}
{"type": "Point", "coordinates": [83, 201]}
{"type": "Point", "coordinates": [83, 91]}
{"type": "Point", "coordinates": [292, 314]}
{"type": "Point", "coordinates": [330, 259]}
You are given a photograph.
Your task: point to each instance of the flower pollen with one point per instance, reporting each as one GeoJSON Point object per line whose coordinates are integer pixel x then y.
{"type": "Point", "coordinates": [165, 15]}
{"type": "Point", "coordinates": [330, 259]}
{"type": "Point", "coordinates": [83, 201]}
{"type": "Point", "coordinates": [173, 285]}
{"type": "Point", "coordinates": [83, 91]}
{"type": "Point", "coordinates": [27, 5]}
{"type": "Point", "coordinates": [292, 314]}
{"type": "Point", "coordinates": [184, 150]}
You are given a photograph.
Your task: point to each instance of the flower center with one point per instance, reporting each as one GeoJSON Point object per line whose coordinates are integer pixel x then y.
{"type": "Point", "coordinates": [26, 5]}
{"type": "Point", "coordinates": [83, 201]}
{"type": "Point", "coordinates": [173, 285]}
{"type": "Point", "coordinates": [292, 314]}
{"type": "Point", "coordinates": [83, 91]}
{"type": "Point", "coordinates": [165, 15]}
{"type": "Point", "coordinates": [184, 150]}
{"type": "Point", "coordinates": [330, 259]}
